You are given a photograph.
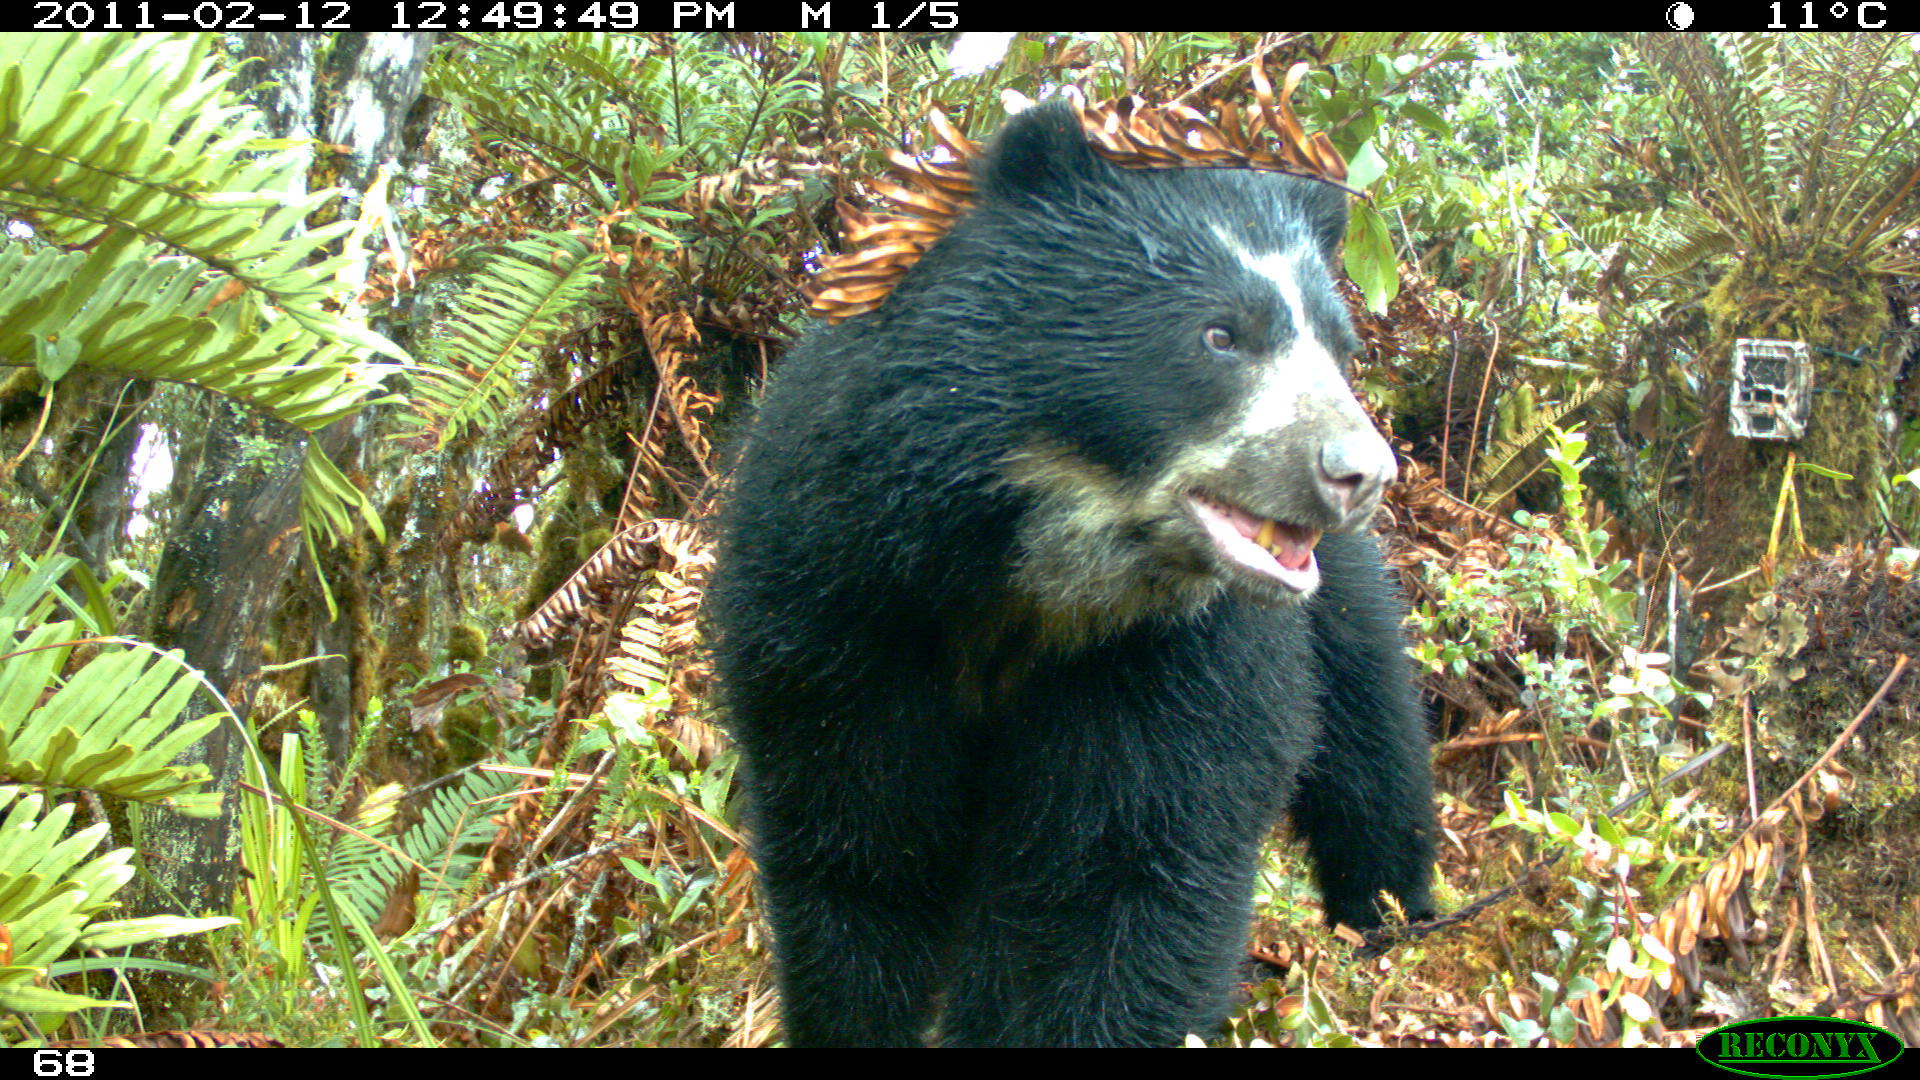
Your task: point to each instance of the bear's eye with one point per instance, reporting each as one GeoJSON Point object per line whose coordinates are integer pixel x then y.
{"type": "Point", "coordinates": [1218, 338]}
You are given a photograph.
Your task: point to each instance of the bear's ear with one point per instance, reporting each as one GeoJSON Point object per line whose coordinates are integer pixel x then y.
{"type": "Point", "coordinates": [1039, 154]}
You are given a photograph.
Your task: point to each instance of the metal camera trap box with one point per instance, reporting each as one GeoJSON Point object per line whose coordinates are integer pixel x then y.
{"type": "Point", "coordinates": [1772, 389]}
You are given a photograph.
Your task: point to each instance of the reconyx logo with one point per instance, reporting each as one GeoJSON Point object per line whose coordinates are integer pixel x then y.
{"type": "Point", "coordinates": [1799, 1046]}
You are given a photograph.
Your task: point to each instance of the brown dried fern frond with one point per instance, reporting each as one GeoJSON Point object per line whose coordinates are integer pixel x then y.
{"type": "Point", "coordinates": [680, 406]}
{"type": "Point", "coordinates": [624, 561]}
{"type": "Point", "coordinates": [1718, 905]}
{"type": "Point", "coordinates": [1894, 1004]}
{"type": "Point", "coordinates": [931, 195]}
{"type": "Point", "coordinates": [513, 476]}
{"type": "Point", "coordinates": [1131, 133]}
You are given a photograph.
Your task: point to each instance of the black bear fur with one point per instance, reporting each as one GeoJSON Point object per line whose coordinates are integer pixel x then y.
{"type": "Point", "coordinates": [1014, 730]}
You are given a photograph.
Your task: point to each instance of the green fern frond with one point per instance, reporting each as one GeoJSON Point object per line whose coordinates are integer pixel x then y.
{"type": "Point", "coordinates": [178, 245]}
{"type": "Point", "coordinates": [1805, 142]}
{"type": "Point", "coordinates": [523, 300]}
{"type": "Point", "coordinates": [124, 307]}
{"type": "Point", "coordinates": [135, 134]}
{"type": "Point", "coordinates": [1683, 250]}
{"type": "Point", "coordinates": [110, 727]}
{"type": "Point", "coordinates": [445, 845]}
{"type": "Point", "coordinates": [1493, 467]}
{"type": "Point", "coordinates": [1666, 240]}
{"type": "Point", "coordinates": [578, 126]}
{"type": "Point", "coordinates": [46, 899]}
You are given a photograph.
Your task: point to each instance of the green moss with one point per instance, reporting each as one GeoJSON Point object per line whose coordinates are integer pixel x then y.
{"type": "Point", "coordinates": [466, 643]}
{"type": "Point", "coordinates": [404, 658]}
{"type": "Point", "coordinates": [593, 540]}
{"type": "Point", "coordinates": [470, 732]}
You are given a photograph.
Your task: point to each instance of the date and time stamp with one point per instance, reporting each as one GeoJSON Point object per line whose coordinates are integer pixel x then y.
{"type": "Point", "coordinates": [483, 15]}
{"type": "Point", "coordinates": [475, 16]}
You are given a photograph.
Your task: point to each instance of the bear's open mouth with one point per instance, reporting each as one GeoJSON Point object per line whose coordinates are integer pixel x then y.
{"type": "Point", "coordinates": [1270, 549]}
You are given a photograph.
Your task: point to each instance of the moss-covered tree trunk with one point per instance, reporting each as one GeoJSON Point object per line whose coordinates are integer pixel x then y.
{"type": "Point", "coordinates": [1738, 481]}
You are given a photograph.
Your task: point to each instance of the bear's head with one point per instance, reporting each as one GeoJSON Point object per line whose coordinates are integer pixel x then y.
{"type": "Point", "coordinates": [1164, 350]}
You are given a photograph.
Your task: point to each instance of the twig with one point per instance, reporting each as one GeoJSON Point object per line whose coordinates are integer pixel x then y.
{"type": "Point", "coordinates": [1899, 667]}
{"type": "Point", "coordinates": [1786, 944]}
{"type": "Point", "coordinates": [1816, 944]}
{"type": "Point", "coordinates": [1746, 739]}
{"type": "Point", "coordinates": [1705, 589]}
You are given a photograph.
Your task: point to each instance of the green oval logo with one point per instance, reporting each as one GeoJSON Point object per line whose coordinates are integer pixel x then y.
{"type": "Point", "coordinates": [1799, 1046]}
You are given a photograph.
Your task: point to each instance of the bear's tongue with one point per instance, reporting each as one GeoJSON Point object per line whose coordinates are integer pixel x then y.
{"type": "Point", "coordinates": [1272, 548]}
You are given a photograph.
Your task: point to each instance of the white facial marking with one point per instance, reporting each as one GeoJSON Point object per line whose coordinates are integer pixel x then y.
{"type": "Point", "coordinates": [1277, 267]}
{"type": "Point", "coordinates": [1308, 370]}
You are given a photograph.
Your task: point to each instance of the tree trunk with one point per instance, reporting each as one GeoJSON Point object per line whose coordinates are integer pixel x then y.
{"type": "Point", "coordinates": [233, 539]}
{"type": "Point", "coordinates": [1737, 484]}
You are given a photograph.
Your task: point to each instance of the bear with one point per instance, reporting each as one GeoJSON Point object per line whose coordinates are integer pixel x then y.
{"type": "Point", "coordinates": [1044, 591]}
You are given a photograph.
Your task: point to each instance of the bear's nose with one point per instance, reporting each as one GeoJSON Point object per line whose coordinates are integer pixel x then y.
{"type": "Point", "coordinates": [1354, 470]}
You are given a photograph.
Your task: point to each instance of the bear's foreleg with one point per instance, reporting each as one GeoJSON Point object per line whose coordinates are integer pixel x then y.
{"type": "Point", "coordinates": [1365, 804]}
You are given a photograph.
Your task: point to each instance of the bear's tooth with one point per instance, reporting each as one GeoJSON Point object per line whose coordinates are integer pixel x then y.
{"type": "Point", "coordinates": [1265, 536]}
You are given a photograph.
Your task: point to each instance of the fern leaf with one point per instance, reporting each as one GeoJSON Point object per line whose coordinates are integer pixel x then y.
{"type": "Point", "coordinates": [47, 896]}
{"type": "Point", "coordinates": [135, 134]}
{"type": "Point", "coordinates": [179, 246]}
{"type": "Point", "coordinates": [1495, 464]}
{"type": "Point", "coordinates": [113, 727]}
{"type": "Point", "coordinates": [524, 300]}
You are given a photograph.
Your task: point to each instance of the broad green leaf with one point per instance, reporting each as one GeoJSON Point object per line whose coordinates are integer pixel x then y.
{"type": "Point", "coordinates": [1370, 260]}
